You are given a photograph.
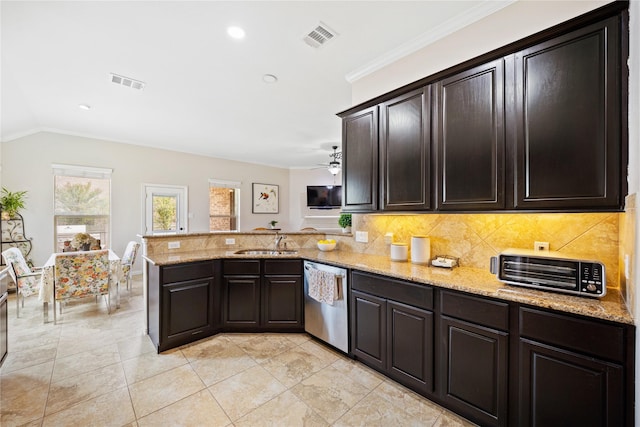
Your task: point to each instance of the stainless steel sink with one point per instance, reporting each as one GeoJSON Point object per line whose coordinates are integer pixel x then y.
{"type": "Point", "coordinates": [265, 252]}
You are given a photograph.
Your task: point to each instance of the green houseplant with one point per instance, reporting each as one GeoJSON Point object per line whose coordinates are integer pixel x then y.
{"type": "Point", "coordinates": [273, 224]}
{"type": "Point", "coordinates": [11, 202]}
{"type": "Point", "coordinates": [344, 221]}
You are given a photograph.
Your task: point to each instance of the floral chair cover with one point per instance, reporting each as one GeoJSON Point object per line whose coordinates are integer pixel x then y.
{"type": "Point", "coordinates": [27, 281]}
{"type": "Point", "coordinates": [127, 261]}
{"type": "Point", "coordinates": [81, 274]}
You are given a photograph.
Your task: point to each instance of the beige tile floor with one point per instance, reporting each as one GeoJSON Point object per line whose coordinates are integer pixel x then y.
{"type": "Point", "coordinates": [95, 369]}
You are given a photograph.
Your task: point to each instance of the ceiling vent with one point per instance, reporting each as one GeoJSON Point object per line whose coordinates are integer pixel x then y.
{"type": "Point", "coordinates": [126, 81]}
{"type": "Point", "coordinates": [319, 36]}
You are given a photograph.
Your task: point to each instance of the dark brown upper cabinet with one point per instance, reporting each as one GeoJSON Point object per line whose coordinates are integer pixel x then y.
{"type": "Point", "coordinates": [405, 152]}
{"type": "Point", "coordinates": [537, 125]}
{"type": "Point", "coordinates": [470, 139]}
{"type": "Point", "coordinates": [568, 121]}
{"type": "Point", "coordinates": [360, 160]}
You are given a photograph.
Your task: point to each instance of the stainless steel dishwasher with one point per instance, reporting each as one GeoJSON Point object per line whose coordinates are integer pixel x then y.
{"type": "Point", "coordinates": [329, 323]}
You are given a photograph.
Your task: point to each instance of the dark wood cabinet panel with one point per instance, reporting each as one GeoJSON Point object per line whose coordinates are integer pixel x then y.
{"type": "Point", "coordinates": [186, 308]}
{"type": "Point", "coordinates": [410, 346]}
{"type": "Point", "coordinates": [470, 139]}
{"type": "Point", "coordinates": [393, 337]}
{"type": "Point", "coordinates": [405, 151]}
{"type": "Point", "coordinates": [360, 160]}
{"type": "Point", "coordinates": [241, 303]}
{"type": "Point", "coordinates": [563, 388]}
{"type": "Point", "coordinates": [540, 124]}
{"type": "Point", "coordinates": [369, 329]}
{"type": "Point", "coordinates": [263, 295]}
{"type": "Point", "coordinates": [474, 371]}
{"type": "Point", "coordinates": [282, 302]}
{"type": "Point", "coordinates": [567, 106]}
{"type": "Point", "coordinates": [183, 303]}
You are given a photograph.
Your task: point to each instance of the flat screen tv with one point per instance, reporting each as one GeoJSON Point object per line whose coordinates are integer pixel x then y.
{"type": "Point", "coordinates": [324, 196]}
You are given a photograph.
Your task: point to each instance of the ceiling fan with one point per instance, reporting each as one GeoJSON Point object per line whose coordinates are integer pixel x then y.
{"type": "Point", "coordinates": [334, 165]}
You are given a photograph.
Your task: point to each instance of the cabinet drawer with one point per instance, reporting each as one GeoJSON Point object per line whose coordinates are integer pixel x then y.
{"type": "Point", "coordinates": [482, 311]}
{"type": "Point", "coordinates": [241, 266]}
{"type": "Point", "coordinates": [183, 272]}
{"type": "Point", "coordinates": [396, 290]}
{"type": "Point", "coordinates": [591, 337]}
{"type": "Point", "coordinates": [283, 266]}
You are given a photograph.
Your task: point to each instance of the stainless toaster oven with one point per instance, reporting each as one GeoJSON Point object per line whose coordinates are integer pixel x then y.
{"type": "Point", "coordinates": [551, 271]}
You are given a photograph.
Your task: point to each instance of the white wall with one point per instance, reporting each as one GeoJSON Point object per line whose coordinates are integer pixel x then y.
{"type": "Point", "coordinates": [26, 165]}
{"type": "Point", "coordinates": [300, 215]}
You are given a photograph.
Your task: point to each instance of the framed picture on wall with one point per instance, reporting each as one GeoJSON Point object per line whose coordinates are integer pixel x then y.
{"type": "Point", "coordinates": [265, 198]}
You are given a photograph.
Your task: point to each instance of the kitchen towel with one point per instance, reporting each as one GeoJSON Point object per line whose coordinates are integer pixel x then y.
{"type": "Point", "coordinates": [323, 286]}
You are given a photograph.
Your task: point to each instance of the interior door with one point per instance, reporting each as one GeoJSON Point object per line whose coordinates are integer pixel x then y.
{"type": "Point", "coordinates": [165, 209]}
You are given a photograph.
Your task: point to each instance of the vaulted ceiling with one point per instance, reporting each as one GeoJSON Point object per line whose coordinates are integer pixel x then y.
{"type": "Point", "coordinates": [204, 92]}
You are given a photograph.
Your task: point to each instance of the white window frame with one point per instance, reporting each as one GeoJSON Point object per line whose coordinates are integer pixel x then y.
{"type": "Point", "coordinates": [83, 172]}
{"type": "Point", "coordinates": [182, 194]}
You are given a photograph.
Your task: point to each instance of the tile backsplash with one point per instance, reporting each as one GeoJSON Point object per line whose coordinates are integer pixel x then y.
{"type": "Point", "coordinates": [474, 238]}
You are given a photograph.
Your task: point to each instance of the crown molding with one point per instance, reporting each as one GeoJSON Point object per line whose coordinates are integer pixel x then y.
{"type": "Point", "coordinates": [450, 26]}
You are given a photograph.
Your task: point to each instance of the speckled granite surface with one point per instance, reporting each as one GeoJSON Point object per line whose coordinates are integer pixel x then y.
{"type": "Point", "coordinates": [472, 280]}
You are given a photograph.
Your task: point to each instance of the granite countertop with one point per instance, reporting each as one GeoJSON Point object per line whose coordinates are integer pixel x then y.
{"type": "Point", "coordinates": [472, 280]}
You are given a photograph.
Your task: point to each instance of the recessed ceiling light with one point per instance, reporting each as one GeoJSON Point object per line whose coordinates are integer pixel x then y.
{"type": "Point", "coordinates": [235, 32]}
{"type": "Point", "coordinates": [84, 107]}
{"type": "Point", "coordinates": [269, 78]}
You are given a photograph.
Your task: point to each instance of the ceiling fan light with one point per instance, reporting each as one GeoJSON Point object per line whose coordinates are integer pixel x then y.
{"type": "Point", "coordinates": [334, 168]}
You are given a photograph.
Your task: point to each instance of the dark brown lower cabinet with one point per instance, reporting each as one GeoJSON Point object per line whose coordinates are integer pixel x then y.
{"type": "Point", "coordinates": [394, 337]}
{"type": "Point", "coordinates": [474, 371]}
{"type": "Point", "coordinates": [183, 303]}
{"type": "Point", "coordinates": [241, 302]}
{"type": "Point", "coordinates": [474, 357]}
{"type": "Point", "coordinates": [369, 331]}
{"type": "Point", "coordinates": [262, 295]}
{"type": "Point", "coordinates": [558, 387]}
{"type": "Point", "coordinates": [574, 371]}
{"type": "Point", "coordinates": [282, 302]}
{"type": "Point", "coordinates": [410, 346]}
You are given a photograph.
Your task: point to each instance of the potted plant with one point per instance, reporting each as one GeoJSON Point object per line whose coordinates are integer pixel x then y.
{"type": "Point", "coordinates": [344, 221]}
{"type": "Point", "coordinates": [11, 202]}
{"type": "Point", "coordinates": [273, 224]}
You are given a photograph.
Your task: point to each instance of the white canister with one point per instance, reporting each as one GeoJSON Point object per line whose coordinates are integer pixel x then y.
{"type": "Point", "coordinates": [399, 251]}
{"type": "Point", "coordinates": [420, 249]}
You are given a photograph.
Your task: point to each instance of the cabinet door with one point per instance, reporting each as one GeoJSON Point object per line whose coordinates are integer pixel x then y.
{"type": "Point", "coordinates": [474, 371]}
{"type": "Point", "coordinates": [558, 387]}
{"type": "Point", "coordinates": [405, 151]}
{"type": "Point", "coordinates": [241, 302]}
{"type": "Point", "coordinates": [282, 302]}
{"type": "Point", "coordinates": [369, 329]}
{"type": "Point", "coordinates": [568, 121]}
{"type": "Point", "coordinates": [360, 160]}
{"type": "Point", "coordinates": [470, 139]}
{"type": "Point", "coordinates": [410, 349]}
{"type": "Point", "coordinates": [187, 311]}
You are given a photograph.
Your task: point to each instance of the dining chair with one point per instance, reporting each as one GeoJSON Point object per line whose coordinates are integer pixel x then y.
{"type": "Point", "coordinates": [127, 261]}
{"type": "Point", "coordinates": [27, 280]}
{"type": "Point", "coordinates": [81, 274]}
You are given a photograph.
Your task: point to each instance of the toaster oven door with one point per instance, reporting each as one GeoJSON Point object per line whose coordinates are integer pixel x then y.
{"type": "Point", "coordinates": [540, 272]}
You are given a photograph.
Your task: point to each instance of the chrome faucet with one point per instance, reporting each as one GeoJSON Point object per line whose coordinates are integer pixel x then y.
{"type": "Point", "coordinates": [279, 238]}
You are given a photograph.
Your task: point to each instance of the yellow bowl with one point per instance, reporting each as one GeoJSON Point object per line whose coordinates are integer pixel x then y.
{"type": "Point", "coordinates": [326, 246]}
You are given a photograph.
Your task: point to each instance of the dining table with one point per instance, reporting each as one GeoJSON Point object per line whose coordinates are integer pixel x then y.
{"type": "Point", "coordinates": [47, 281]}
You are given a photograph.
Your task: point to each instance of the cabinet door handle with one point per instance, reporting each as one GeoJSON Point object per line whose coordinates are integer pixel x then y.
{"type": "Point", "coordinates": [196, 332]}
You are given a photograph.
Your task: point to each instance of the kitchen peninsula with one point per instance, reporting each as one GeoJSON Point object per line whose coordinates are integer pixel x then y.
{"type": "Point", "coordinates": [488, 351]}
